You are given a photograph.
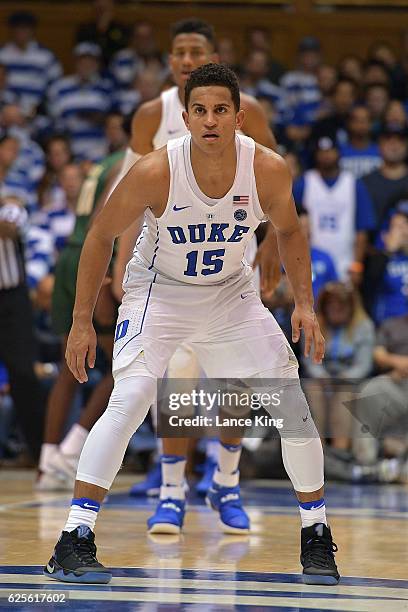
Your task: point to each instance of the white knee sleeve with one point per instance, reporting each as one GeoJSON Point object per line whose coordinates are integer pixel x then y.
{"type": "Point", "coordinates": [302, 451]}
{"type": "Point", "coordinates": [303, 461]}
{"type": "Point", "coordinates": [107, 441]}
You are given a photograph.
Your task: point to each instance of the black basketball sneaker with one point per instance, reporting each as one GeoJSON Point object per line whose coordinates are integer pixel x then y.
{"type": "Point", "coordinates": [74, 559]}
{"type": "Point", "coordinates": [317, 556]}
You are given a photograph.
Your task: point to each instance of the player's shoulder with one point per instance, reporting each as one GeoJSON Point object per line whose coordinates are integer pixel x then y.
{"type": "Point", "coordinates": [153, 166]}
{"type": "Point", "coordinates": [267, 160]}
{"type": "Point", "coordinates": [148, 113]}
{"type": "Point", "coordinates": [249, 103]}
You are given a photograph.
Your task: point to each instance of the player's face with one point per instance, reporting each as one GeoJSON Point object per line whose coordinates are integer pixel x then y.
{"type": "Point", "coordinates": [188, 52]}
{"type": "Point", "coordinates": [212, 118]}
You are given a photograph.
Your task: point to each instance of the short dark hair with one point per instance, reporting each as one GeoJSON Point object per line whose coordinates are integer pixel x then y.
{"type": "Point", "coordinates": [214, 74]}
{"type": "Point", "coordinates": [193, 26]}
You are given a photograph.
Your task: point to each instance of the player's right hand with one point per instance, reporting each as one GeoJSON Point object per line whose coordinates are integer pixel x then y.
{"type": "Point", "coordinates": [81, 347]}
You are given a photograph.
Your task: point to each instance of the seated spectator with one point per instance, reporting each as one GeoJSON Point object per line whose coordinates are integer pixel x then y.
{"type": "Point", "coordinates": [227, 54]}
{"type": "Point", "coordinates": [300, 85]}
{"type": "Point", "coordinates": [146, 86]}
{"type": "Point", "coordinates": [142, 53]}
{"type": "Point", "coordinates": [13, 181]}
{"type": "Point", "coordinates": [49, 231]}
{"type": "Point", "coordinates": [390, 181]}
{"type": "Point", "coordinates": [351, 68]}
{"type": "Point", "coordinates": [79, 104]}
{"type": "Point", "coordinates": [31, 160]}
{"type": "Point", "coordinates": [396, 114]}
{"type": "Point", "coordinates": [349, 335]}
{"type": "Point", "coordinates": [385, 286]}
{"type": "Point", "coordinates": [6, 95]}
{"type": "Point", "coordinates": [376, 98]}
{"type": "Point", "coordinates": [375, 73]}
{"type": "Point", "coordinates": [254, 81]}
{"type": "Point", "coordinates": [334, 125]}
{"type": "Point", "coordinates": [305, 114]}
{"type": "Point", "coordinates": [360, 155]}
{"type": "Point", "coordinates": [385, 415]}
{"type": "Point", "coordinates": [115, 132]}
{"type": "Point", "coordinates": [110, 35]}
{"type": "Point", "coordinates": [31, 68]}
{"type": "Point", "coordinates": [259, 39]}
{"type": "Point", "coordinates": [340, 210]}
{"type": "Point", "coordinates": [57, 154]}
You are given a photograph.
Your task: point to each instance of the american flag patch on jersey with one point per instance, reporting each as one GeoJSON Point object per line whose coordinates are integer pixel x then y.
{"type": "Point", "coordinates": [240, 200]}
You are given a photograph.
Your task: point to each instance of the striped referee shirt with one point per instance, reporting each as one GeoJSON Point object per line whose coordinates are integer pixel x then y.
{"type": "Point", "coordinates": [30, 71]}
{"type": "Point", "coordinates": [11, 251]}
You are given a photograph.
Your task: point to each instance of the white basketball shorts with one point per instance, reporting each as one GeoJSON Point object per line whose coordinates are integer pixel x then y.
{"type": "Point", "coordinates": [226, 325]}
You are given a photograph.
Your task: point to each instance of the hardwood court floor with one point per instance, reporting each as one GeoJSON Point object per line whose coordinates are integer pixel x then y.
{"type": "Point", "coordinates": [204, 569]}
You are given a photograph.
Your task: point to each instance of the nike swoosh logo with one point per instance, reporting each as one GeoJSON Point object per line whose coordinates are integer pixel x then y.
{"type": "Point", "coordinates": [172, 132]}
{"type": "Point", "coordinates": [176, 208]}
{"type": "Point", "coordinates": [50, 568]}
{"type": "Point", "coordinates": [90, 507]}
{"type": "Point", "coordinates": [245, 295]}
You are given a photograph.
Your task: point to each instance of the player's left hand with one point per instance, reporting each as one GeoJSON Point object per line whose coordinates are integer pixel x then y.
{"type": "Point", "coordinates": [267, 258]}
{"type": "Point", "coordinates": [305, 318]}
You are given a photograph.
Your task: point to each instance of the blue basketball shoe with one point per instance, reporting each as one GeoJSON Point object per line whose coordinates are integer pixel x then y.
{"type": "Point", "coordinates": [206, 481]}
{"type": "Point", "coordinates": [74, 559]}
{"type": "Point", "coordinates": [150, 486]}
{"type": "Point", "coordinates": [227, 501]}
{"type": "Point", "coordinates": [168, 518]}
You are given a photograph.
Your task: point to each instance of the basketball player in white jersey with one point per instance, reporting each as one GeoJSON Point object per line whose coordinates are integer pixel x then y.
{"type": "Point", "coordinates": [153, 125]}
{"type": "Point", "coordinates": [188, 282]}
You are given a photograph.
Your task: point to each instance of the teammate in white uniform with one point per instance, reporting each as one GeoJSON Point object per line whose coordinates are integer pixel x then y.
{"type": "Point", "coordinates": [153, 125]}
{"type": "Point", "coordinates": [188, 282]}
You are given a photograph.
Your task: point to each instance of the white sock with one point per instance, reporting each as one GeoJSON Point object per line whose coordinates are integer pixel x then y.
{"type": "Point", "coordinates": [312, 512]}
{"type": "Point", "coordinates": [227, 474]}
{"type": "Point", "coordinates": [83, 511]}
{"type": "Point", "coordinates": [46, 456]}
{"type": "Point", "coordinates": [212, 450]}
{"type": "Point", "coordinates": [74, 441]}
{"type": "Point", "coordinates": [173, 474]}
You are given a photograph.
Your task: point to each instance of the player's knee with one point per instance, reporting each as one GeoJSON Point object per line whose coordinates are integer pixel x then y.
{"type": "Point", "coordinates": [129, 403]}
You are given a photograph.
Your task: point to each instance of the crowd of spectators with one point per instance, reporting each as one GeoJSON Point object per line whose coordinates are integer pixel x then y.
{"type": "Point", "coordinates": [344, 132]}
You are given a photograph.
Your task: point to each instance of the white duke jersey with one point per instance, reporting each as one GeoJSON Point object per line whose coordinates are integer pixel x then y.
{"type": "Point", "coordinates": [200, 240]}
{"type": "Point", "coordinates": [172, 124]}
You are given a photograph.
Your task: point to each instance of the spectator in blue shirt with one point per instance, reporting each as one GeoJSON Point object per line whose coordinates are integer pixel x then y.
{"type": "Point", "coordinates": [385, 286]}
{"type": "Point", "coordinates": [340, 210]}
{"type": "Point", "coordinates": [31, 68]}
{"type": "Point", "coordinates": [300, 85]}
{"type": "Point", "coordinates": [305, 114]}
{"type": "Point", "coordinates": [80, 102]}
{"type": "Point", "coordinates": [359, 154]}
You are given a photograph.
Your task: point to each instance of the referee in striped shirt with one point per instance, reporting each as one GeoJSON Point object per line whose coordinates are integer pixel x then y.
{"type": "Point", "coordinates": [17, 346]}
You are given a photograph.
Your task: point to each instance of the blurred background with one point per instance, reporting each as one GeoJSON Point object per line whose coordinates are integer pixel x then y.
{"type": "Point", "coordinates": [332, 78]}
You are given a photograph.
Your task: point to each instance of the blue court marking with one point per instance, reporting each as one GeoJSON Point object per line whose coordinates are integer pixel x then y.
{"type": "Point", "coordinates": [190, 574]}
